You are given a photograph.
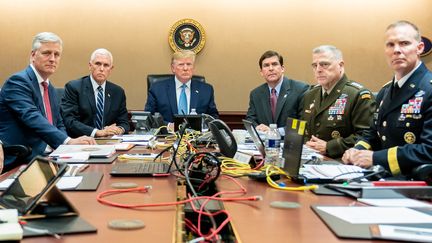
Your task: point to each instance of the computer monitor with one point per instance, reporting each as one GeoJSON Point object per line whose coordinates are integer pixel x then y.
{"type": "Point", "coordinates": [194, 122]}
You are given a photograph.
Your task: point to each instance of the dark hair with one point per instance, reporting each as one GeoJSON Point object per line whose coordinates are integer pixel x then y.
{"type": "Point", "coordinates": [269, 54]}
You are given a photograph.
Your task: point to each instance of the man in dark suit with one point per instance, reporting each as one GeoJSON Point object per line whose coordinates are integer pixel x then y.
{"type": "Point", "coordinates": [180, 94]}
{"type": "Point", "coordinates": [29, 112]}
{"type": "Point", "coordinates": [400, 138]}
{"type": "Point", "coordinates": [82, 113]}
{"type": "Point", "coordinates": [277, 99]}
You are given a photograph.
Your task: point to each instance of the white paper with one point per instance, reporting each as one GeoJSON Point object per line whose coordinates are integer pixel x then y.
{"type": "Point", "coordinates": [332, 171]}
{"type": "Point", "coordinates": [133, 137]}
{"type": "Point", "coordinates": [11, 230]}
{"type": "Point", "coordinates": [309, 153]}
{"type": "Point", "coordinates": [138, 156]}
{"type": "Point", "coordinates": [73, 157]}
{"type": "Point", "coordinates": [94, 150]}
{"type": "Point", "coordinates": [377, 215]}
{"type": "Point", "coordinates": [69, 182]}
{"type": "Point", "coordinates": [6, 183]}
{"type": "Point", "coordinates": [394, 202]}
{"type": "Point", "coordinates": [405, 233]}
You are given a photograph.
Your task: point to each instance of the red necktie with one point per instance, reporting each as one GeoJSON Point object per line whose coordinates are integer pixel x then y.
{"type": "Point", "coordinates": [47, 102]}
{"type": "Point", "coordinates": [273, 102]}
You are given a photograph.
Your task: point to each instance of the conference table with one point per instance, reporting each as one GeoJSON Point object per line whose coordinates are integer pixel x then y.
{"type": "Point", "coordinates": [252, 221]}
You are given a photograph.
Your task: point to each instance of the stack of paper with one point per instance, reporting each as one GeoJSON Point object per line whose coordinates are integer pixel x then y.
{"type": "Point", "coordinates": [10, 229]}
{"type": "Point", "coordinates": [100, 151]}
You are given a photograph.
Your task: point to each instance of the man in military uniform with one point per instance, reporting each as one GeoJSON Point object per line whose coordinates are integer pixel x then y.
{"type": "Point", "coordinates": [337, 110]}
{"type": "Point", "coordinates": [400, 138]}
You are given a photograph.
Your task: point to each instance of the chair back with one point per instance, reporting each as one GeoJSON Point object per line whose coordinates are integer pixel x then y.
{"type": "Point", "coordinates": [153, 78]}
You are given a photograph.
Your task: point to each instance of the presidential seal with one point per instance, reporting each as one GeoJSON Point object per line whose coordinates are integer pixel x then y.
{"type": "Point", "coordinates": [409, 137]}
{"type": "Point", "coordinates": [187, 34]}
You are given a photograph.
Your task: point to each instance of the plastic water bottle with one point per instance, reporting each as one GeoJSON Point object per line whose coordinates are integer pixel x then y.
{"type": "Point", "coordinates": [273, 146]}
{"type": "Point", "coordinates": [193, 112]}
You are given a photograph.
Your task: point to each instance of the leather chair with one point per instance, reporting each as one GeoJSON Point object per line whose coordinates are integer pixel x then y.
{"type": "Point", "coordinates": [153, 78]}
{"type": "Point", "coordinates": [20, 151]}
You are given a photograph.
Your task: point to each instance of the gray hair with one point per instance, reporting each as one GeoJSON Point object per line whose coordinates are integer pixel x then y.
{"type": "Point", "coordinates": [417, 35]}
{"type": "Point", "coordinates": [45, 37]}
{"type": "Point", "coordinates": [103, 52]}
{"type": "Point", "coordinates": [337, 54]}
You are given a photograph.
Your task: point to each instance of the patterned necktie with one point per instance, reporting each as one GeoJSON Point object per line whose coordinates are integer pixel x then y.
{"type": "Point", "coordinates": [47, 102]}
{"type": "Point", "coordinates": [99, 108]}
{"type": "Point", "coordinates": [273, 102]}
{"type": "Point", "coordinates": [183, 105]}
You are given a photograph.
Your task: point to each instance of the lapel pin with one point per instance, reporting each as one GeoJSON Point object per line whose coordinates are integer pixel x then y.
{"type": "Point", "coordinates": [285, 96]}
{"type": "Point", "coordinates": [196, 91]}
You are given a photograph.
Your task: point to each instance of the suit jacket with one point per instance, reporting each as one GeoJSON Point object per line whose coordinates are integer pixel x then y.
{"type": "Point", "coordinates": [341, 118]}
{"type": "Point", "coordinates": [78, 107]}
{"type": "Point", "coordinates": [288, 103]}
{"type": "Point", "coordinates": [162, 98]}
{"type": "Point", "coordinates": [401, 133]}
{"type": "Point", "coordinates": [23, 119]}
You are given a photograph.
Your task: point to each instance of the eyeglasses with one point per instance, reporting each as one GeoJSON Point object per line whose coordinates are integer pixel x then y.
{"type": "Point", "coordinates": [323, 65]}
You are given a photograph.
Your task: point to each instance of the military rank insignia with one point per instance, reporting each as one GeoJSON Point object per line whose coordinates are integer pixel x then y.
{"type": "Point", "coordinates": [339, 106]}
{"type": "Point", "coordinates": [413, 108]}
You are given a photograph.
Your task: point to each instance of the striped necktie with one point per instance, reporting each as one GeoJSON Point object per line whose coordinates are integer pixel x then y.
{"type": "Point", "coordinates": [99, 108]}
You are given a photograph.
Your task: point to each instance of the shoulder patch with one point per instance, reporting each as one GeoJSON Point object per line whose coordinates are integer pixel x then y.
{"type": "Point", "coordinates": [355, 84]}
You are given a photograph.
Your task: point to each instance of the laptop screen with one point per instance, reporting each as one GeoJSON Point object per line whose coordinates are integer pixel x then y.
{"type": "Point", "coordinates": [293, 145]}
{"type": "Point", "coordinates": [26, 190]}
{"type": "Point", "coordinates": [194, 122]}
{"type": "Point", "coordinates": [255, 136]}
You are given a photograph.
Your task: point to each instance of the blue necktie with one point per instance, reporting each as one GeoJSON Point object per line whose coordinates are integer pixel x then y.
{"type": "Point", "coordinates": [183, 105]}
{"type": "Point", "coordinates": [99, 108]}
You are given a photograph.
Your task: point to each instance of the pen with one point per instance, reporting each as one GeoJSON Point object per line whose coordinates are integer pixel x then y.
{"type": "Point", "coordinates": [413, 232]}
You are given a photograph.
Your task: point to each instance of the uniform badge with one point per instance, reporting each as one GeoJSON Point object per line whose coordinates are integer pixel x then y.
{"type": "Point", "coordinates": [312, 105]}
{"type": "Point", "coordinates": [339, 117]}
{"type": "Point", "coordinates": [420, 93]}
{"type": "Point", "coordinates": [308, 111]}
{"type": "Point", "coordinates": [335, 134]}
{"type": "Point", "coordinates": [409, 137]}
{"type": "Point", "coordinates": [330, 118]}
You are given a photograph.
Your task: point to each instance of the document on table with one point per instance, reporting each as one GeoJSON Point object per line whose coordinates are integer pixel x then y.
{"type": "Point", "coordinates": [395, 232]}
{"type": "Point", "coordinates": [69, 182]}
{"type": "Point", "coordinates": [394, 202]}
{"type": "Point", "coordinates": [377, 215]}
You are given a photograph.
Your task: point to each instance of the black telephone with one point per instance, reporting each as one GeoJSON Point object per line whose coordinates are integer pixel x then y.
{"type": "Point", "coordinates": [224, 137]}
{"type": "Point", "coordinates": [145, 121]}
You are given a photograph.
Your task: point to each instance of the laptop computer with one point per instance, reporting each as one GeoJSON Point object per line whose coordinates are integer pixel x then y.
{"type": "Point", "coordinates": [316, 173]}
{"type": "Point", "coordinates": [253, 133]}
{"type": "Point", "coordinates": [154, 169]}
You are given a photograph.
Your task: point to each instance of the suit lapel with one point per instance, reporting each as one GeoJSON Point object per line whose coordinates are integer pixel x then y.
{"type": "Point", "coordinates": [283, 94]}
{"type": "Point", "coordinates": [107, 103]}
{"type": "Point", "coordinates": [265, 103]}
{"type": "Point", "coordinates": [194, 95]}
{"type": "Point", "coordinates": [36, 87]}
{"type": "Point", "coordinates": [89, 93]}
{"type": "Point", "coordinates": [172, 97]}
